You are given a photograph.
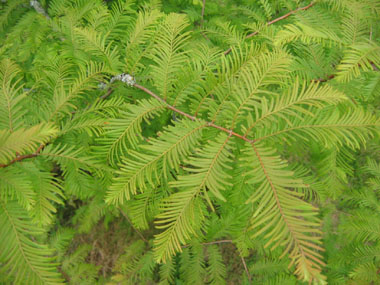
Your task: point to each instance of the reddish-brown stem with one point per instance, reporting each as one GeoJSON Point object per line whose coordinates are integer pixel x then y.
{"type": "Point", "coordinates": [193, 118]}
{"type": "Point", "coordinates": [230, 132]}
{"type": "Point", "coordinates": [25, 156]}
{"type": "Point", "coordinates": [109, 92]}
{"type": "Point", "coordinates": [275, 21]}
{"type": "Point", "coordinates": [284, 17]}
{"type": "Point", "coordinates": [332, 76]}
{"type": "Point", "coordinates": [146, 90]}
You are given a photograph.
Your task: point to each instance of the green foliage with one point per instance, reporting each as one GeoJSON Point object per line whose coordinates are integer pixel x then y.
{"type": "Point", "coordinates": [245, 149]}
{"type": "Point", "coordinates": [21, 256]}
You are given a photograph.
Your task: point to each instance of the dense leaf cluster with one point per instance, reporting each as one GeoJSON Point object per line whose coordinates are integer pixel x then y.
{"type": "Point", "coordinates": [189, 142]}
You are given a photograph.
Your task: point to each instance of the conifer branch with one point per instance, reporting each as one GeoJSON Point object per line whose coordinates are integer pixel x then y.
{"type": "Point", "coordinates": [275, 21]}
{"type": "Point", "coordinates": [193, 118]}
{"type": "Point", "coordinates": [129, 80]}
{"type": "Point", "coordinates": [25, 156]}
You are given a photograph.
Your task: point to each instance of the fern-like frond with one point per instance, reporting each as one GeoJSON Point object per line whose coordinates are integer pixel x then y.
{"type": "Point", "coordinates": [24, 260]}
{"type": "Point", "coordinates": [80, 170]}
{"type": "Point", "coordinates": [48, 194]}
{"type": "Point", "coordinates": [311, 61]}
{"type": "Point", "coordinates": [87, 79]}
{"type": "Point", "coordinates": [167, 271]}
{"type": "Point", "coordinates": [333, 171]}
{"type": "Point", "coordinates": [372, 86]}
{"type": "Point", "coordinates": [124, 132]}
{"type": "Point", "coordinates": [365, 253]}
{"type": "Point", "coordinates": [76, 267]}
{"type": "Point", "coordinates": [363, 226]}
{"type": "Point", "coordinates": [267, 8]}
{"type": "Point", "coordinates": [7, 10]}
{"type": "Point", "coordinates": [52, 72]}
{"type": "Point", "coordinates": [15, 185]}
{"type": "Point", "coordinates": [365, 273]}
{"type": "Point", "coordinates": [268, 69]}
{"type": "Point", "coordinates": [216, 270]}
{"type": "Point", "coordinates": [281, 216]}
{"type": "Point", "coordinates": [268, 267]}
{"type": "Point", "coordinates": [144, 206]}
{"type": "Point", "coordinates": [140, 268]}
{"type": "Point", "coordinates": [87, 217]}
{"type": "Point", "coordinates": [328, 127]}
{"type": "Point", "coordinates": [11, 108]}
{"type": "Point", "coordinates": [181, 213]}
{"type": "Point", "coordinates": [119, 20]}
{"type": "Point", "coordinates": [225, 32]}
{"type": "Point", "coordinates": [161, 155]}
{"type": "Point", "coordinates": [208, 168]}
{"type": "Point", "coordinates": [139, 42]}
{"type": "Point", "coordinates": [169, 53]}
{"type": "Point", "coordinates": [71, 158]}
{"type": "Point", "coordinates": [27, 35]}
{"type": "Point", "coordinates": [297, 102]}
{"type": "Point", "coordinates": [95, 42]}
{"type": "Point", "coordinates": [307, 35]}
{"type": "Point", "coordinates": [61, 239]}
{"type": "Point", "coordinates": [93, 119]}
{"type": "Point", "coordinates": [196, 268]}
{"type": "Point", "coordinates": [230, 70]}
{"type": "Point", "coordinates": [24, 141]}
{"type": "Point", "coordinates": [191, 81]}
{"type": "Point", "coordinates": [364, 198]}
{"type": "Point", "coordinates": [357, 58]}
{"type": "Point", "coordinates": [354, 28]}
{"type": "Point", "coordinates": [136, 265]}
{"type": "Point", "coordinates": [372, 167]}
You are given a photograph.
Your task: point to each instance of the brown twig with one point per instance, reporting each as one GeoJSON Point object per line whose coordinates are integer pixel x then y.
{"type": "Point", "coordinates": [25, 156]}
{"type": "Point", "coordinates": [284, 17]}
{"type": "Point", "coordinates": [130, 222]}
{"type": "Point", "coordinates": [332, 76]}
{"type": "Point", "coordinates": [202, 19]}
{"type": "Point", "coordinates": [193, 118]}
{"type": "Point", "coordinates": [275, 21]}
{"type": "Point", "coordinates": [246, 269]}
{"type": "Point", "coordinates": [109, 91]}
{"type": "Point", "coordinates": [203, 12]}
